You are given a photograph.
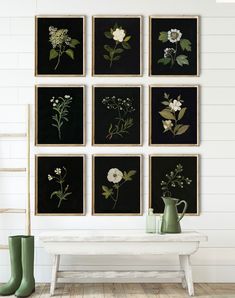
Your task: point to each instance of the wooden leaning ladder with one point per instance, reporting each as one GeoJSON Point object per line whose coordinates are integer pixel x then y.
{"type": "Point", "coordinates": [25, 135]}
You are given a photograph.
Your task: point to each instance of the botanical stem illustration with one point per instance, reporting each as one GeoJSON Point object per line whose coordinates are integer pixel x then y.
{"type": "Point", "coordinates": [61, 43]}
{"type": "Point", "coordinates": [59, 178]}
{"type": "Point", "coordinates": [118, 178]}
{"type": "Point", "coordinates": [174, 179]}
{"type": "Point", "coordinates": [61, 107]}
{"type": "Point", "coordinates": [173, 113]}
{"type": "Point", "coordinates": [123, 121]}
{"type": "Point", "coordinates": [171, 54]}
{"type": "Point", "coordinates": [121, 39]}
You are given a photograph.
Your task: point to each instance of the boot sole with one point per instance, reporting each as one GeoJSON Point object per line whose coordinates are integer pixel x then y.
{"type": "Point", "coordinates": [27, 295]}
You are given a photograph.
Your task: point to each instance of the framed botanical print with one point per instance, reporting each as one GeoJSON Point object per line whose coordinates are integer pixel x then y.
{"type": "Point", "coordinates": [175, 176]}
{"type": "Point", "coordinates": [174, 45]}
{"type": "Point", "coordinates": [117, 46]}
{"type": "Point", "coordinates": [117, 115]}
{"type": "Point", "coordinates": [59, 115]}
{"type": "Point", "coordinates": [60, 46]}
{"type": "Point", "coordinates": [60, 184]}
{"type": "Point", "coordinates": [117, 185]}
{"type": "Point", "coordinates": [174, 115]}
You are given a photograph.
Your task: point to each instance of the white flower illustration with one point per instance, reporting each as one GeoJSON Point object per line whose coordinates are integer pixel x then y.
{"type": "Point", "coordinates": [167, 124]}
{"type": "Point", "coordinates": [174, 35]}
{"type": "Point", "coordinates": [175, 105]}
{"type": "Point", "coordinates": [119, 35]}
{"type": "Point", "coordinates": [50, 177]}
{"type": "Point", "coordinates": [58, 171]}
{"type": "Point", "coordinates": [169, 52]}
{"type": "Point", "coordinates": [114, 175]}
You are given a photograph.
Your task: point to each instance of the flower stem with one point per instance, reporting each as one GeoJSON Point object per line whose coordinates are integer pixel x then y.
{"type": "Point", "coordinates": [58, 60]}
{"type": "Point", "coordinates": [116, 199]}
{"type": "Point", "coordinates": [112, 55]}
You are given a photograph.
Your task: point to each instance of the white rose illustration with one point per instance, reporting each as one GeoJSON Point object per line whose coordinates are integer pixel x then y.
{"type": "Point", "coordinates": [114, 175]}
{"type": "Point", "coordinates": [175, 105]}
{"type": "Point", "coordinates": [119, 35]}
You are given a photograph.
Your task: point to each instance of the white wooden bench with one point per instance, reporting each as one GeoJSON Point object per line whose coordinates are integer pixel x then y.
{"type": "Point", "coordinates": [113, 242]}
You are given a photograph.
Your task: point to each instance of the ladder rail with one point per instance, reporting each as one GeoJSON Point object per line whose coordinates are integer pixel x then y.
{"type": "Point", "coordinates": [26, 211]}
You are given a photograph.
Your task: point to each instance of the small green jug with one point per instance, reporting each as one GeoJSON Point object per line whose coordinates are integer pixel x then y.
{"type": "Point", "coordinates": [171, 219]}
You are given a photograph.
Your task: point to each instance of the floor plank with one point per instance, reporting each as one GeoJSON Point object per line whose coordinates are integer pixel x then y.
{"type": "Point", "coordinates": [133, 290]}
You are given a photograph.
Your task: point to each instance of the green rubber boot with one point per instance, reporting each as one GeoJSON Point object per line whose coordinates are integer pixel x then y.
{"type": "Point", "coordinates": [27, 286]}
{"type": "Point", "coordinates": [16, 268]}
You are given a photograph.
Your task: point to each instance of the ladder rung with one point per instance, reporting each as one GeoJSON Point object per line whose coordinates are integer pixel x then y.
{"type": "Point", "coordinates": [12, 169]}
{"type": "Point", "coordinates": [12, 210]}
{"type": "Point", "coordinates": [3, 246]}
{"type": "Point", "coordinates": [13, 135]}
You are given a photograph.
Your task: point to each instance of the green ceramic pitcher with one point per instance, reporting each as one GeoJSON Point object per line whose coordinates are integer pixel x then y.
{"type": "Point", "coordinates": [171, 219]}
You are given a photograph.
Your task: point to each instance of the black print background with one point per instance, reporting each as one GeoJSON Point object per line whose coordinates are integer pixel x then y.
{"type": "Point", "coordinates": [72, 132]}
{"type": "Point", "coordinates": [160, 166]}
{"type": "Point", "coordinates": [74, 166]}
{"type": "Point", "coordinates": [103, 116]}
{"type": "Point", "coordinates": [130, 59]}
{"type": "Point", "coordinates": [188, 27]}
{"type": "Point", "coordinates": [189, 95]}
{"type": "Point", "coordinates": [67, 65]}
{"type": "Point", "coordinates": [129, 193]}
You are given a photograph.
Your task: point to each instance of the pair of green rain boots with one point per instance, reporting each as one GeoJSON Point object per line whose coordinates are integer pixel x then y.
{"type": "Point", "coordinates": [22, 282]}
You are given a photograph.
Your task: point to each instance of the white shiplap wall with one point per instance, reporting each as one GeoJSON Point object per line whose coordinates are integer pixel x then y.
{"type": "Point", "coordinates": [215, 261]}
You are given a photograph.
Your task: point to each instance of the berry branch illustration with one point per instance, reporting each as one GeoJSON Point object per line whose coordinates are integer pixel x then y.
{"type": "Point", "coordinates": [61, 107]}
{"type": "Point", "coordinates": [59, 178]}
{"type": "Point", "coordinates": [61, 43]}
{"type": "Point", "coordinates": [173, 113]}
{"type": "Point", "coordinates": [171, 56]}
{"type": "Point", "coordinates": [123, 121]}
{"type": "Point", "coordinates": [174, 179]}
{"type": "Point", "coordinates": [120, 37]}
{"type": "Point", "coordinates": [118, 178]}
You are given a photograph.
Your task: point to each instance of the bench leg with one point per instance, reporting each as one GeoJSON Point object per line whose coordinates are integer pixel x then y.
{"type": "Point", "coordinates": [55, 268]}
{"type": "Point", "coordinates": [186, 266]}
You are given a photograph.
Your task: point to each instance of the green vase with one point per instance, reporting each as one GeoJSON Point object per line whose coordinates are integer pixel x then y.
{"type": "Point", "coordinates": [171, 219]}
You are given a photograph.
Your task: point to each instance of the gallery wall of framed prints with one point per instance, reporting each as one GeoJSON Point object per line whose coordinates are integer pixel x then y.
{"type": "Point", "coordinates": [105, 121]}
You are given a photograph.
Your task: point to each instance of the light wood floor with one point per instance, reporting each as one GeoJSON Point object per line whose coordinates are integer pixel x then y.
{"type": "Point", "coordinates": [135, 291]}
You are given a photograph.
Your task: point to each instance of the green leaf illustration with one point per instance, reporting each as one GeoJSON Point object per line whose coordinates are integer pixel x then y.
{"type": "Point", "coordinates": [167, 115]}
{"type": "Point", "coordinates": [127, 38]}
{"type": "Point", "coordinates": [108, 48]}
{"type": "Point", "coordinates": [181, 113]}
{"type": "Point", "coordinates": [119, 51]}
{"type": "Point", "coordinates": [74, 42]}
{"type": "Point", "coordinates": [182, 60]}
{"type": "Point", "coordinates": [55, 193]}
{"type": "Point", "coordinates": [177, 127]}
{"type": "Point", "coordinates": [116, 58]}
{"type": "Point", "coordinates": [70, 53]}
{"type": "Point", "coordinates": [185, 45]}
{"type": "Point", "coordinates": [126, 45]}
{"type": "Point", "coordinates": [106, 57]}
{"type": "Point", "coordinates": [164, 61]}
{"type": "Point", "coordinates": [182, 129]}
{"type": "Point", "coordinates": [163, 36]}
{"type": "Point", "coordinates": [165, 103]}
{"type": "Point", "coordinates": [107, 192]}
{"type": "Point", "coordinates": [108, 34]}
{"type": "Point", "coordinates": [127, 176]}
{"type": "Point", "coordinates": [53, 54]}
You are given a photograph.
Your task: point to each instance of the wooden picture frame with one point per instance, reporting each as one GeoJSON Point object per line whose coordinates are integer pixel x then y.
{"type": "Point", "coordinates": [174, 115]}
{"type": "Point", "coordinates": [60, 115]}
{"type": "Point", "coordinates": [118, 50]}
{"type": "Point", "coordinates": [120, 108]}
{"type": "Point", "coordinates": [60, 45]}
{"type": "Point", "coordinates": [174, 40]}
{"type": "Point", "coordinates": [161, 165]}
{"type": "Point", "coordinates": [60, 185]}
{"type": "Point", "coordinates": [109, 173]}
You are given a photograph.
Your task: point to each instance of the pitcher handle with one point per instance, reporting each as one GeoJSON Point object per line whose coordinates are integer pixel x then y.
{"type": "Point", "coordinates": [185, 208]}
